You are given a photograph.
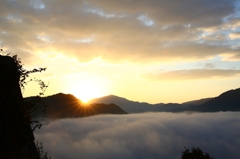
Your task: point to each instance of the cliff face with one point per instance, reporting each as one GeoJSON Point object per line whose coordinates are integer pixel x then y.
{"type": "Point", "coordinates": [16, 136]}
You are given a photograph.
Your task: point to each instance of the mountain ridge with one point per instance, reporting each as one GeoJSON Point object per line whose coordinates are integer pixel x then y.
{"type": "Point", "coordinates": [135, 106]}
{"type": "Point", "coordinates": [226, 101]}
{"type": "Point", "coordinates": [70, 106]}
{"type": "Point", "coordinates": [62, 105]}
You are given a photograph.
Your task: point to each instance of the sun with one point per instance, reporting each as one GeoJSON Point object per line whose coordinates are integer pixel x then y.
{"type": "Point", "coordinates": [87, 90]}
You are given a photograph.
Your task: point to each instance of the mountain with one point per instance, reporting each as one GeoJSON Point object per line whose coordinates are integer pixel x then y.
{"type": "Point", "coordinates": [168, 106]}
{"type": "Point", "coordinates": [197, 102]}
{"type": "Point", "coordinates": [68, 106]}
{"type": "Point", "coordinates": [227, 101]}
{"type": "Point", "coordinates": [127, 105]}
{"type": "Point", "coordinates": [136, 107]}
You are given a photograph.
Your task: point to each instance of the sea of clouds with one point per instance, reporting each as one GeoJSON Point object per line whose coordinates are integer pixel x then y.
{"type": "Point", "coordinates": [142, 136]}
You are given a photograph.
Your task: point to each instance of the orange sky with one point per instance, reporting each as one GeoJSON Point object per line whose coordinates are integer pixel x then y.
{"type": "Point", "coordinates": [149, 50]}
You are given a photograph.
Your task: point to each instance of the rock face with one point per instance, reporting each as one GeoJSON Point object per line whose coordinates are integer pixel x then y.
{"type": "Point", "coordinates": [16, 136]}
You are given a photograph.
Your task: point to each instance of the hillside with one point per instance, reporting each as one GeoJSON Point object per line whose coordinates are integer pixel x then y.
{"type": "Point", "coordinates": [197, 102]}
{"type": "Point", "coordinates": [68, 106]}
{"type": "Point", "coordinates": [227, 101]}
{"type": "Point", "coordinates": [136, 107]}
{"type": "Point", "coordinates": [127, 105]}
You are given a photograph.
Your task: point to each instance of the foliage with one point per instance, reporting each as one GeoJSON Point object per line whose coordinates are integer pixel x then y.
{"type": "Point", "coordinates": [42, 155]}
{"type": "Point", "coordinates": [195, 153]}
{"type": "Point", "coordinates": [36, 102]}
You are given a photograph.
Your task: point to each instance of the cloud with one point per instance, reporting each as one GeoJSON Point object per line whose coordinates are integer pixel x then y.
{"type": "Point", "coordinates": [209, 65]}
{"type": "Point", "coordinates": [193, 74]}
{"type": "Point", "coordinates": [171, 12]}
{"type": "Point", "coordinates": [122, 30]}
{"type": "Point", "coordinates": [235, 35]}
{"type": "Point", "coordinates": [150, 135]}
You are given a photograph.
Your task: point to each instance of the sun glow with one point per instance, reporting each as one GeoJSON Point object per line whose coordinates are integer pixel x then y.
{"type": "Point", "coordinates": [87, 90]}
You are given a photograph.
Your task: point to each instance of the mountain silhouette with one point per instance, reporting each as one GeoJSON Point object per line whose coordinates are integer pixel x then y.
{"type": "Point", "coordinates": [127, 105]}
{"type": "Point", "coordinates": [197, 102]}
{"type": "Point", "coordinates": [227, 101]}
{"type": "Point", "coordinates": [136, 107]}
{"type": "Point", "coordinates": [68, 106]}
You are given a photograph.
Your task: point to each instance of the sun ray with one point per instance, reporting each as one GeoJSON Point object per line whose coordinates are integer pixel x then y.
{"type": "Point", "coordinates": [87, 90]}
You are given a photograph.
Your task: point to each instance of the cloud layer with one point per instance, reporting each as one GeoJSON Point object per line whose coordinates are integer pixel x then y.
{"type": "Point", "coordinates": [192, 74]}
{"type": "Point", "coordinates": [122, 30]}
{"type": "Point", "coordinates": [141, 136]}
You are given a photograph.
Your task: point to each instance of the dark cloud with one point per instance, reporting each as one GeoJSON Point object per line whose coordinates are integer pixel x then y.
{"type": "Point", "coordinates": [193, 74]}
{"type": "Point", "coordinates": [153, 135]}
{"type": "Point", "coordinates": [199, 13]}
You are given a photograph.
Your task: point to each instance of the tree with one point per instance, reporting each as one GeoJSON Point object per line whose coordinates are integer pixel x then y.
{"type": "Point", "coordinates": [36, 102]}
{"type": "Point", "coordinates": [195, 153]}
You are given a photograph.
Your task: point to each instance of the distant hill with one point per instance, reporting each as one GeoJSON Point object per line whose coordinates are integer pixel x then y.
{"type": "Point", "coordinates": [227, 101]}
{"type": "Point", "coordinates": [169, 106]}
{"type": "Point", "coordinates": [68, 106]}
{"type": "Point", "coordinates": [127, 105]}
{"type": "Point", "coordinates": [136, 107]}
{"type": "Point", "coordinates": [197, 102]}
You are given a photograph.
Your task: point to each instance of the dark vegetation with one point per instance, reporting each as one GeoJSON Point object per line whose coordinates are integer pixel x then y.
{"type": "Point", "coordinates": [42, 154]}
{"type": "Point", "coordinates": [195, 153]}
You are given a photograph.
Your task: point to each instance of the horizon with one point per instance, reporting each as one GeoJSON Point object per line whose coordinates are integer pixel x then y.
{"type": "Point", "coordinates": [92, 99]}
{"type": "Point", "coordinates": [153, 51]}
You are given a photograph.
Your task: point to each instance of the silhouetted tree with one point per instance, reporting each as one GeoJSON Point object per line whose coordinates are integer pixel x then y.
{"type": "Point", "coordinates": [195, 153]}
{"type": "Point", "coordinates": [42, 154]}
{"type": "Point", "coordinates": [35, 103]}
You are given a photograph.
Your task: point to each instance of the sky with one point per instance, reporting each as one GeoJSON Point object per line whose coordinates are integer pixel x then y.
{"type": "Point", "coordinates": [141, 136]}
{"type": "Point", "coordinates": [144, 50]}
